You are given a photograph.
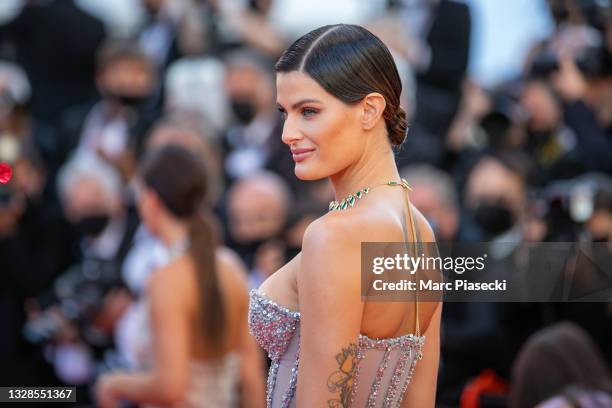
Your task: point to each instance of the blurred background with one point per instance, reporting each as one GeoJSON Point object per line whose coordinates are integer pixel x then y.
{"type": "Point", "coordinates": [510, 139]}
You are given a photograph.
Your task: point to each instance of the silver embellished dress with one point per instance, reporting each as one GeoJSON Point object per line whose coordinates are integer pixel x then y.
{"type": "Point", "coordinates": [384, 367]}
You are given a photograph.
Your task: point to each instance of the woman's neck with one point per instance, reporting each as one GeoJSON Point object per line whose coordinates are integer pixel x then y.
{"type": "Point", "coordinates": [376, 166]}
{"type": "Point", "coordinates": [173, 232]}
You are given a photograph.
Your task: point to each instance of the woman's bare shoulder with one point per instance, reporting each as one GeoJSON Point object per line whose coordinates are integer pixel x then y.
{"type": "Point", "coordinates": [363, 225]}
{"type": "Point", "coordinates": [332, 244]}
{"type": "Point", "coordinates": [231, 268]}
{"type": "Point", "coordinates": [334, 239]}
{"type": "Point", "coordinates": [182, 269]}
{"type": "Point", "coordinates": [176, 282]}
{"type": "Point", "coordinates": [347, 224]}
{"type": "Point", "coordinates": [169, 286]}
{"type": "Point", "coordinates": [174, 275]}
{"type": "Point", "coordinates": [332, 232]}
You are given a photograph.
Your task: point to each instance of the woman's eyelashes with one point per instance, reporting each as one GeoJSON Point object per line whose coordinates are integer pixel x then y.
{"type": "Point", "coordinates": [305, 112]}
{"type": "Point", "coordinates": [309, 112]}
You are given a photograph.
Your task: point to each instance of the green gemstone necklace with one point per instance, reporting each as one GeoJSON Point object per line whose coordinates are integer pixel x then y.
{"type": "Point", "coordinates": [350, 201]}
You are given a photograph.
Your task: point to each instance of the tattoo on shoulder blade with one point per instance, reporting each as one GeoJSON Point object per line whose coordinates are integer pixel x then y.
{"type": "Point", "coordinates": [341, 380]}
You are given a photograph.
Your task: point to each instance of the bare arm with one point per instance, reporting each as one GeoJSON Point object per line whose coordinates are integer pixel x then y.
{"type": "Point", "coordinates": [331, 312]}
{"type": "Point", "coordinates": [167, 382]}
{"type": "Point", "coordinates": [252, 372]}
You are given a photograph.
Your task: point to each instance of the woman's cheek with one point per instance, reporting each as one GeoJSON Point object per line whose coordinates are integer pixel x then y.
{"type": "Point", "coordinates": [322, 128]}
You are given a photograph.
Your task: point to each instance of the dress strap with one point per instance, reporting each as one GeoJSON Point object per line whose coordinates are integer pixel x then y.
{"type": "Point", "coordinates": [417, 244]}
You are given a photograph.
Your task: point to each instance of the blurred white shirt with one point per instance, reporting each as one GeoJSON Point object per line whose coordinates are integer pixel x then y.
{"type": "Point", "coordinates": [502, 34]}
{"type": "Point", "coordinates": [294, 18]}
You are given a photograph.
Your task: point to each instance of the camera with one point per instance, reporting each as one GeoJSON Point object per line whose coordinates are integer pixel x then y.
{"type": "Point", "coordinates": [568, 205]}
{"type": "Point", "coordinates": [78, 295]}
{"type": "Point", "coordinates": [592, 61]}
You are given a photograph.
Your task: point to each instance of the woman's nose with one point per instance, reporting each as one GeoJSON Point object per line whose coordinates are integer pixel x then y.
{"type": "Point", "coordinates": [291, 133]}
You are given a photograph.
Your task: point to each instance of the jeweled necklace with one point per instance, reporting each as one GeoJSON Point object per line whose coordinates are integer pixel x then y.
{"type": "Point", "coordinates": [351, 199]}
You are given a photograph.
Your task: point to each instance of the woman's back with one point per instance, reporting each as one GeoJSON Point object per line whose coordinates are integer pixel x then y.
{"type": "Point", "coordinates": [374, 222]}
{"type": "Point", "coordinates": [212, 378]}
{"type": "Point", "coordinates": [381, 364]}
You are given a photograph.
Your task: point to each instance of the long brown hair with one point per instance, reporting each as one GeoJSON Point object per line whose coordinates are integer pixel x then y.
{"type": "Point", "coordinates": [178, 177]}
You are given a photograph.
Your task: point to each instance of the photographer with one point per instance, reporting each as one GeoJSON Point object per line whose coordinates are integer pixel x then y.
{"type": "Point", "coordinates": [549, 140]}
{"type": "Point", "coordinates": [31, 256]}
{"type": "Point", "coordinates": [80, 313]}
{"type": "Point", "coordinates": [577, 63]}
{"type": "Point", "coordinates": [583, 97]}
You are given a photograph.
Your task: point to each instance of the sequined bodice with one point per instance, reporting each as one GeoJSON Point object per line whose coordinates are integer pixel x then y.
{"type": "Point", "coordinates": [384, 367]}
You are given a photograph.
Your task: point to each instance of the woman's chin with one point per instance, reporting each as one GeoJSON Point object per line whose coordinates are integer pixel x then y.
{"type": "Point", "coordinates": [305, 173]}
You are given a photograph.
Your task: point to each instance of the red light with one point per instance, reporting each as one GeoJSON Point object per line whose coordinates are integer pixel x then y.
{"type": "Point", "coordinates": [6, 173]}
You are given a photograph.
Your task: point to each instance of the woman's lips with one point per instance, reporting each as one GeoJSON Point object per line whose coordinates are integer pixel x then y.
{"type": "Point", "coordinates": [301, 154]}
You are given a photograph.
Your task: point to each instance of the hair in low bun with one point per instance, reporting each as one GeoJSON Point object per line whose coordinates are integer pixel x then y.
{"type": "Point", "coordinates": [398, 128]}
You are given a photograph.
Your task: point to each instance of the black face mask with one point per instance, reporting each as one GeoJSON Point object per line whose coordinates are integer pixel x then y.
{"type": "Point", "coordinates": [130, 101]}
{"type": "Point", "coordinates": [539, 138]}
{"type": "Point", "coordinates": [246, 250]}
{"type": "Point", "coordinates": [244, 110]}
{"type": "Point", "coordinates": [493, 218]}
{"type": "Point", "coordinates": [92, 225]}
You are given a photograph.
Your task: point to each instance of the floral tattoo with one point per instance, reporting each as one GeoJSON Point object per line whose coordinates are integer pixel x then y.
{"type": "Point", "coordinates": [342, 379]}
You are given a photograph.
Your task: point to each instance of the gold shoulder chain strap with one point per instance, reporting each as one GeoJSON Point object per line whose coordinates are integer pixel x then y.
{"type": "Point", "coordinates": [416, 240]}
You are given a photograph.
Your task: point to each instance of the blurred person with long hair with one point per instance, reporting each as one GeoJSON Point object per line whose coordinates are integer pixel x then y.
{"type": "Point", "coordinates": [560, 366]}
{"type": "Point", "coordinates": [339, 91]}
{"type": "Point", "coordinates": [194, 345]}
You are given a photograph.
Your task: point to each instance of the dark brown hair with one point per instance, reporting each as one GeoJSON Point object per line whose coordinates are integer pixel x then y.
{"type": "Point", "coordinates": [350, 62]}
{"type": "Point", "coordinates": [553, 359]}
{"type": "Point", "coordinates": [178, 177]}
{"type": "Point", "coordinates": [113, 51]}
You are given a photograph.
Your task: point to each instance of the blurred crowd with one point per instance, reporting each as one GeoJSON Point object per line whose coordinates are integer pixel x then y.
{"type": "Point", "coordinates": [87, 87]}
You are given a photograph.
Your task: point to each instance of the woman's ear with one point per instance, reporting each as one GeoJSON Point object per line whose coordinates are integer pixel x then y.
{"type": "Point", "coordinates": [373, 105]}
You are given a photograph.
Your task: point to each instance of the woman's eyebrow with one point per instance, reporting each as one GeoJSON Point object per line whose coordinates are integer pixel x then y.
{"type": "Point", "coordinates": [300, 103]}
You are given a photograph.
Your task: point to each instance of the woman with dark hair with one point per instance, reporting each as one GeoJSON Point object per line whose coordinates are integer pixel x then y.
{"type": "Point", "coordinates": [195, 350]}
{"type": "Point", "coordinates": [339, 91]}
{"type": "Point", "coordinates": [562, 361]}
